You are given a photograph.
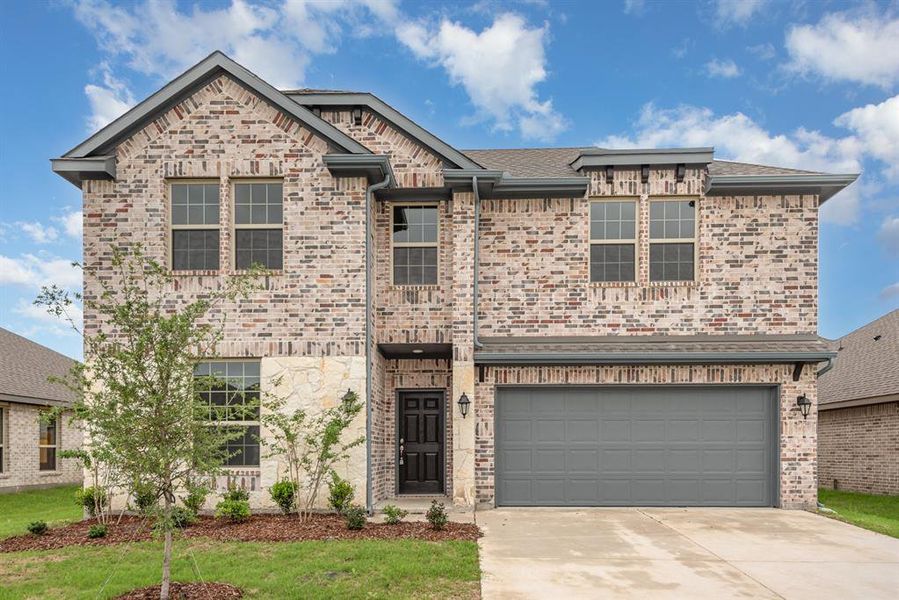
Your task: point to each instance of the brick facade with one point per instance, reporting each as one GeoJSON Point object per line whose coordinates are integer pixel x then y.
{"type": "Point", "coordinates": [21, 459]}
{"type": "Point", "coordinates": [858, 448]}
{"type": "Point", "coordinates": [757, 273]}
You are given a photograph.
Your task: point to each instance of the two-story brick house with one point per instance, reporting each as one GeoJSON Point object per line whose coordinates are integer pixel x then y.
{"type": "Point", "coordinates": [576, 326]}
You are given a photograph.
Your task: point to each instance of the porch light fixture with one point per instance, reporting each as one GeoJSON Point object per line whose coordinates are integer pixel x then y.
{"type": "Point", "coordinates": [805, 405]}
{"type": "Point", "coordinates": [348, 397]}
{"type": "Point", "coordinates": [417, 351]}
{"type": "Point", "coordinates": [464, 403]}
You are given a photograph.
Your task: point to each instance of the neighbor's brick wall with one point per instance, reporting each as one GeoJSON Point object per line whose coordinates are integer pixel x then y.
{"type": "Point", "coordinates": [21, 457]}
{"type": "Point", "coordinates": [798, 475]}
{"type": "Point", "coordinates": [858, 448]}
{"type": "Point", "coordinates": [406, 374]}
{"type": "Point", "coordinates": [757, 271]}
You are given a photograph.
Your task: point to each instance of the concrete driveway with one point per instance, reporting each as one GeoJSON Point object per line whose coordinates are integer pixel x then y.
{"type": "Point", "coordinates": [682, 553]}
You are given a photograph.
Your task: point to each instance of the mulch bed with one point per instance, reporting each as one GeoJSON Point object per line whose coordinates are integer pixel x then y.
{"type": "Point", "coordinates": [187, 591]}
{"type": "Point", "coordinates": [258, 528]}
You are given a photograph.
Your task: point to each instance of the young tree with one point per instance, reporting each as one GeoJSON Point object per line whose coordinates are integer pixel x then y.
{"type": "Point", "coordinates": [311, 446]}
{"type": "Point", "coordinates": [135, 392]}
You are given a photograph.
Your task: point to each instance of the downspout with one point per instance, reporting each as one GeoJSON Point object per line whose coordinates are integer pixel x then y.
{"type": "Point", "coordinates": [826, 368]}
{"type": "Point", "coordinates": [477, 235]}
{"type": "Point", "coordinates": [369, 504]}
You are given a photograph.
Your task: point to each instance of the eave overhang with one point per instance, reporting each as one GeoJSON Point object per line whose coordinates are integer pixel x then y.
{"type": "Point", "coordinates": [597, 158]}
{"type": "Point", "coordinates": [396, 119]}
{"type": "Point", "coordinates": [496, 184]}
{"type": "Point", "coordinates": [641, 358]}
{"type": "Point", "coordinates": [77, 170]}
{"type": "Point", "coordinates": [823, 185]}
{"type": "Point", "coordinates": [374, 167]}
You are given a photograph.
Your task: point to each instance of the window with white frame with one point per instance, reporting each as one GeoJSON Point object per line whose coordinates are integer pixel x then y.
{"type": "Point", "coordinates": [258, 224]}
{"type": "Point", "coordinates": [613, 240]}
{"type": "Point", "coordinates": [195, 225]}
{"type": "Point", "coordinates": [230, 389]}
{"type": "Point", "coordinates": [414, 235]}
{"type": "Point", "coordinates": [48, 443]}
{"type": "Point", "coordinates": [672, 240]}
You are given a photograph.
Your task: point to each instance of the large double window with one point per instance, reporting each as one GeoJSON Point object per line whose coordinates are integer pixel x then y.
{"type": "Point", "coordinates": [258, 225]}
{"type": "Point", "coordinates": [230, 390]}
{"type": "Point", "coordinates": [614, 234]}
{"type": "Point", "coordinates": [414, 231]}
{"type": "Point", "coordinates": [195, 226]}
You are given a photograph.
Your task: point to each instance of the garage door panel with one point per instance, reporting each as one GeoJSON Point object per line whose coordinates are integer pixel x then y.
{"type": "Point", "coordinates": [658, 446]}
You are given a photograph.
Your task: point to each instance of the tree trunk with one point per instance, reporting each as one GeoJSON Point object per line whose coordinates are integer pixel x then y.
{"type": "Point", "coordinates": [167, 551]}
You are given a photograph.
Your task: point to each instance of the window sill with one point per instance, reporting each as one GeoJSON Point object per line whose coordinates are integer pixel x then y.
{"type": "Point", "coordinates": [614, 284]}
{"type": "Point", "coordinates": [659, 284]}
{"type": "Point", "coordinates": [406, 288]}
{"type": "Point", "coordinates": [226, 273]}
{"type": "Point", "coordinates": [49, 473]}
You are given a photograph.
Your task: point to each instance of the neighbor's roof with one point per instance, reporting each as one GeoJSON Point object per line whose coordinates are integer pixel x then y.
{"type": "Point", "coordinates": [556, 162]}
{"type": "Point", "coordinates": [867, 364]}
{"type": "Point", "coordinates": [24, 369]}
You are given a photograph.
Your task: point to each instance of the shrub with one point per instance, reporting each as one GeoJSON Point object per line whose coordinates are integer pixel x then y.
{"type": "Point", "coordinates": [37, 527]}
{"type": "Point", "coordinates": [394, 514]}
{"type": "Point", "coordinates": [145, 496]}
{"type": "Point", "coordinates": [238, 494]}
{"type": "Point", "coordinates": [182, 516]}
{"type": "Point", "coordinates": [97, 531]}
{"type": "Point", "coordinates": [283, 494]}
{"type": "Point", "coordinates": [437, 515]}
{"type": "Point", "coordinates": [91, 498]}
{"type": "Point", "coordinates": [355, 516]}
{"type": "Point", "coordinates": [195, 498]}
{"type": "Point", "coordinates": [340, 493]}
{"type": "Point", "coordinates": [233, 510]}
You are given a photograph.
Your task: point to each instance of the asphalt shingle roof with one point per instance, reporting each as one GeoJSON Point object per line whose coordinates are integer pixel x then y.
{"type": "Point", "coordinates": [556, 162]}
{"type": "Point", "coordinates": [867, 363]}
{"type": "Point", "coordinates": [25, 367]}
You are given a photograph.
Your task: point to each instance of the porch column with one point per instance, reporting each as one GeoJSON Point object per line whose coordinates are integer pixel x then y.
{"type": "Point", "coordinates": [463, 348]}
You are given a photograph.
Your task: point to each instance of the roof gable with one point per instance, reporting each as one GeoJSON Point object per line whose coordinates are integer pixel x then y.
{"type": "Point", "coordinates": [26, 366]}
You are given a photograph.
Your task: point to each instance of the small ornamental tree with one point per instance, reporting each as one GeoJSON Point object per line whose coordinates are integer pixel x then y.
{"type": "Point", "coordinates": [311, 446]}
{"type": "Point", "coordinates": [135, 392]}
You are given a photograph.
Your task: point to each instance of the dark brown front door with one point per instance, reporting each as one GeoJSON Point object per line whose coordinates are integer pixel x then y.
{"type": "Point", "coordinates": [421, 443]}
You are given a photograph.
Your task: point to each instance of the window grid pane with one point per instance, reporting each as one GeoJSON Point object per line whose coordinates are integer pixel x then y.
{"type": "Point", "coordinates": [613, 220]}
{"type": "Point", "coordinates": [262, 246]}
{"type": "Point", "coordinates": [672, 219]}
{"type": "Point", "coordinates": [671, 262]}
{"type": "Point", "coordinates": [415, 266]}
{"type": "Point", "coordinates": [258, 204]}
{"type": "Point", "coordinates": [612, 262]}
{"type": "Point", "coordinates": [195, 249]}
{"type": "Point", "coordinates": [195, 204]}
{"type": "Point", "coordinates": [415, 224]}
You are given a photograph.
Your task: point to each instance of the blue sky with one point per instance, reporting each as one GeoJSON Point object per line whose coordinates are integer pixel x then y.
{"type": "Point", "coordinates": [793, 83]}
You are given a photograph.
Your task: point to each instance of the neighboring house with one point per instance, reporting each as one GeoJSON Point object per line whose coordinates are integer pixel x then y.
{"type": "Point", "coordinates": [29, 446]}
{"type": "Point", "coordinates": [858, 403]}
{"type": "Point", "coordinates": [629, 327]}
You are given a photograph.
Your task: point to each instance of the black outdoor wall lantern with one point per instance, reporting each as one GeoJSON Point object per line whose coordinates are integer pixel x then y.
{"type": "Point", "coordinates": [348, 397]}
{"type": "Point", "coordinates": [805, 405]}
{"type": "Point", "coordinates": [464, 402]}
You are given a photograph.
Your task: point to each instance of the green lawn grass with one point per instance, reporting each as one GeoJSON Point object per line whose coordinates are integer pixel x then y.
{"type": "Point", "coordinates": [315, 569]}
{"type": "Point", "coordinates": [877, 513]}
{"type": "Point", "coordinates": [56, 506]}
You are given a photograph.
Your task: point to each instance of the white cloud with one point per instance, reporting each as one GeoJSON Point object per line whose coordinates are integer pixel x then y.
{"type": "Point", "coordinates": [72, 222]}
{"type": "Point", "coordinates": [56, 325]}
{"type": "Point", "coordinates": [40, 234]}
{"type": "Point", "coordinates": [499, 68]}
{"type": "Point", "coordinates": [764, 51]}
{"type": "Point", "coordinates": [737, 137]}
{"type": "Point", "coordinates": [726, 69]}
{"type": "Point", "coordinates": [728, 13]}
{"type": "Point", "coordinates": [108, 100]}
{"type": "Point", "coordinates": [859, 47]}
{"type": "Point", "coordinates": [890, 291]}
{"type": "Point", "coordinates": [877, 126]}
{"type": "Point", "coordinates": [634, 7]}
{"type": "Point", "coordinates": [32, 271]}
{"type": "Point", "coordinates": [888, 234]}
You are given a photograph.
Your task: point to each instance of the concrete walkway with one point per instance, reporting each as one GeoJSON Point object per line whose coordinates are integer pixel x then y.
{"type": "Point", "coordinates": [682, 553]}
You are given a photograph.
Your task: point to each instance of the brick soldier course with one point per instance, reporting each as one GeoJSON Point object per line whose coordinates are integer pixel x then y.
{"type": "Point", "coordinates": [756, 271]}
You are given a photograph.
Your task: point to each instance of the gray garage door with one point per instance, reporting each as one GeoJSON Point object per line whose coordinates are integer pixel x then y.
{"type": "Point", "coordinates": [649, 446]}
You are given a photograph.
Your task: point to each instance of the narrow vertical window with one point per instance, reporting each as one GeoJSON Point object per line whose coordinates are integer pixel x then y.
{"type": "Point", "coordinates": [230, 389]}
{"type": "Point", "coordinates": [613, 241]}
{"type": "Point", "coordinates": [414, 231]}
{"type": "Point", "coordinates": [195, 226]}
{"type": "Point", "coordinates": [2, 439]}
{"type": "Point", "coordinates": [258, 225]}
{"type": "Point", "coordinates": [48, 441]}
{"type": "Point", "coordinates": [672, 240]}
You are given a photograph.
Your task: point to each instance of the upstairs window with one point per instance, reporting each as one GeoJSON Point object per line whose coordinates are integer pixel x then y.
{"type": "Point", "coordinates": [258, 225]}
{"type": "Point", "coordinates": [230, 389]}
{"type": "Point", "coordinates": [195, 226]}
{"type": "Point", "coordinates": [672, 240]}
{"type": "Point", "coordinates": [613, 241]}
{"type": "Point", "coordinates": [414, 231]}
{"type": "Point", "coordinates": [47, 444]}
